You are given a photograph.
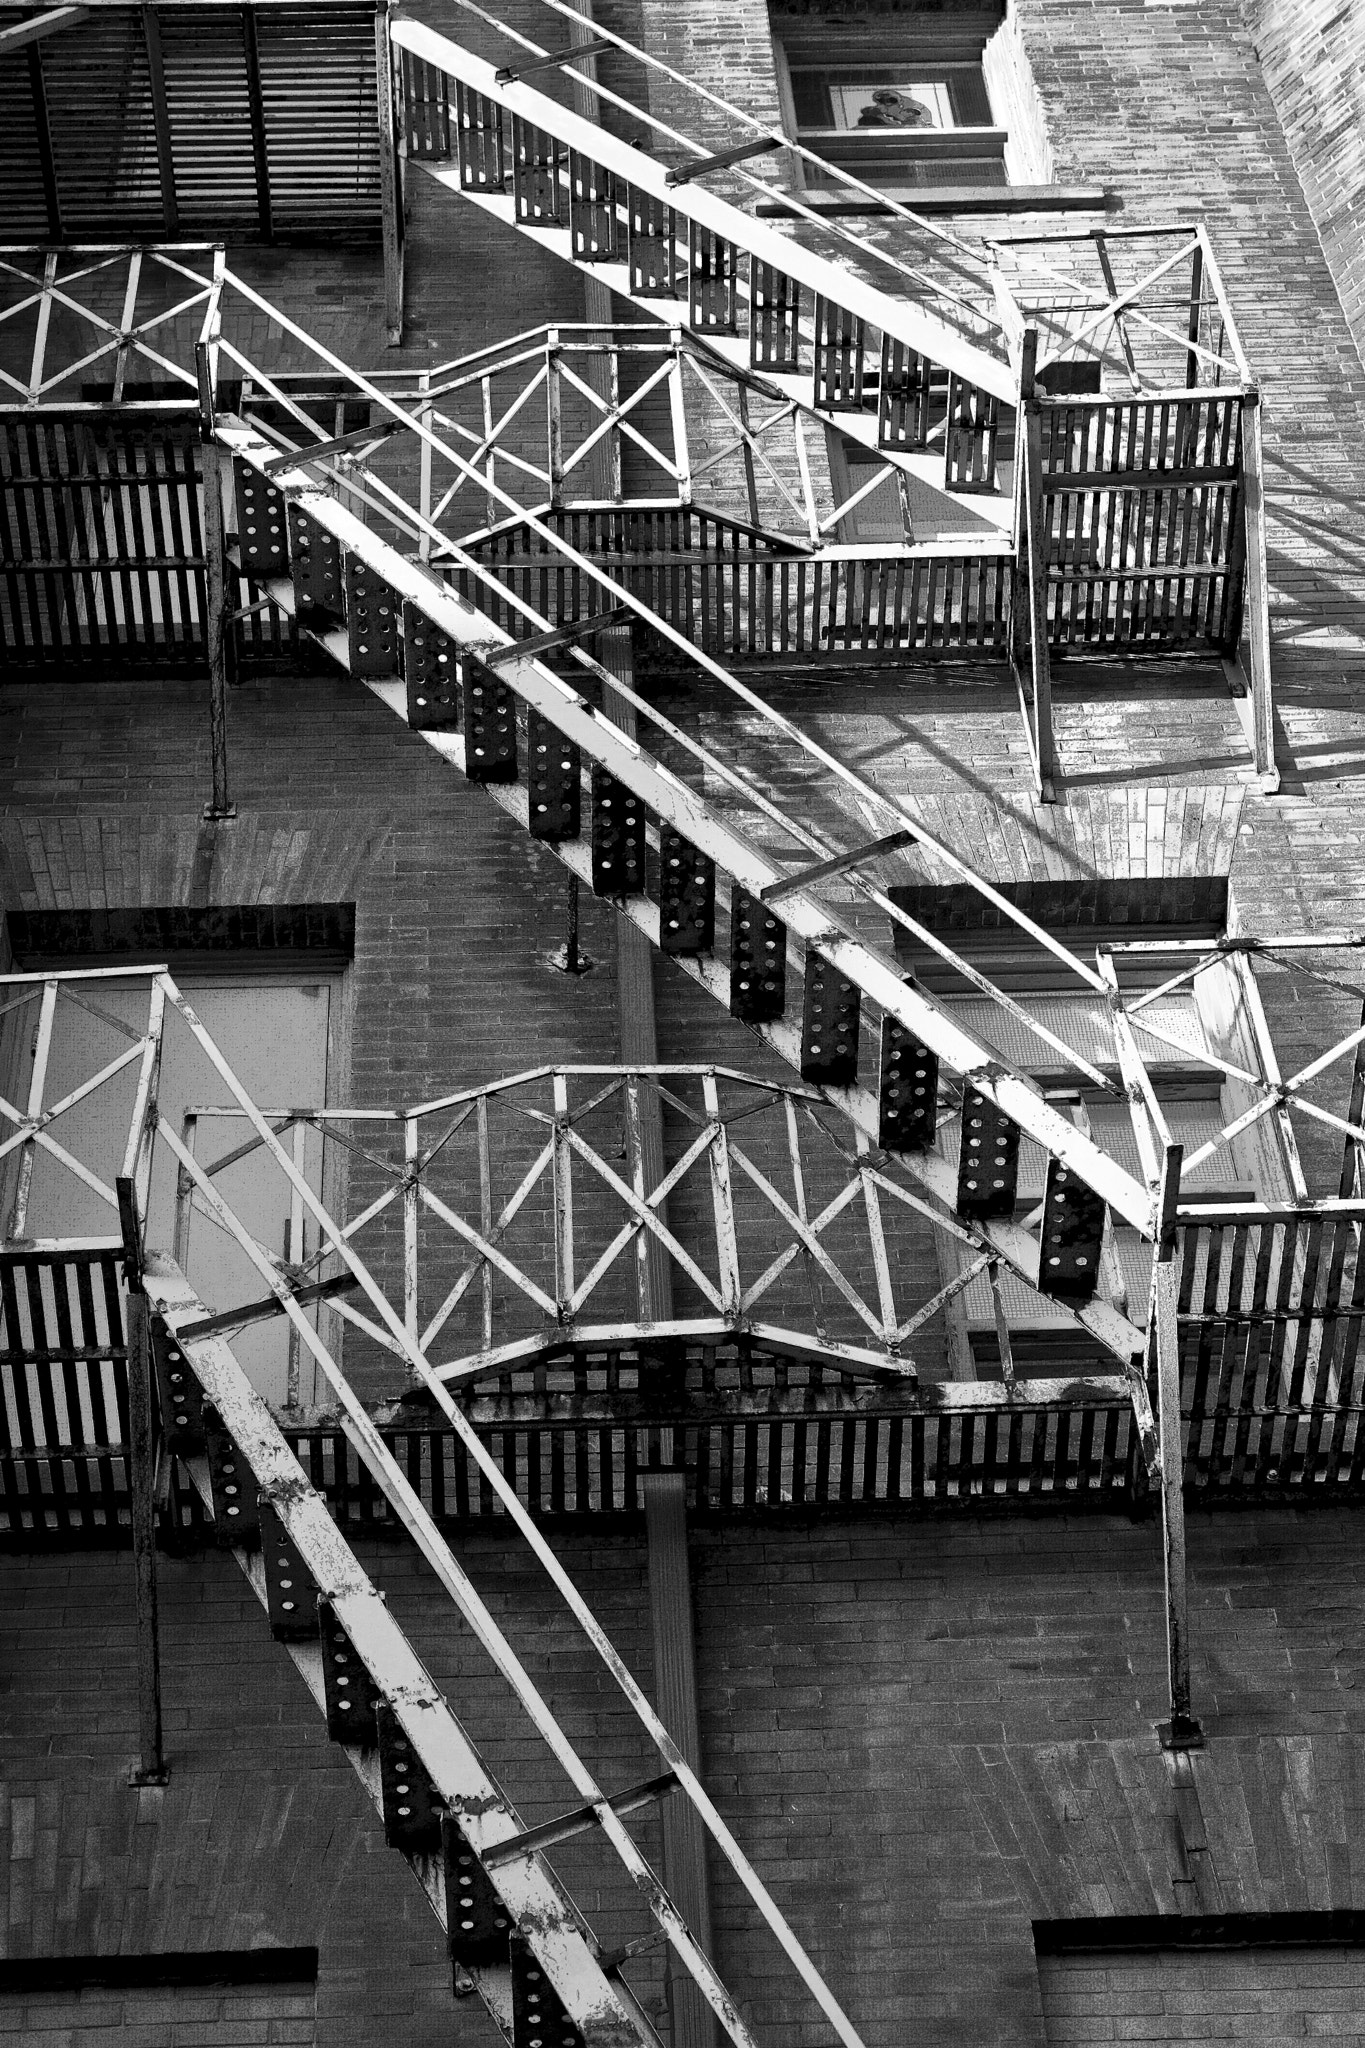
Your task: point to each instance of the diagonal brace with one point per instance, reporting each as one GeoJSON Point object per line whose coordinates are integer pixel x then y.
{"type": "Point", "coordinates": [836, 865]}
{"type": "Point", "coordinates": [578, 1820]}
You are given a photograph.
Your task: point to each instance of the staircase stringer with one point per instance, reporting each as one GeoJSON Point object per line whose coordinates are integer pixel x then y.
{"type": "Point", "coordinates": [601, 2006]}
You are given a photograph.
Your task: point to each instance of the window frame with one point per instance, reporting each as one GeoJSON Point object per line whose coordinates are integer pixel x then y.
{"type": "Point", "coordinates": [868, 153]}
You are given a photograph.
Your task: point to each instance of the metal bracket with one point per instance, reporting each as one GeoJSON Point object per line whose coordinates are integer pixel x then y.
{"type": "Point", "coordinates": [268, 1305]}
{"type": "Point", "coordinates": [597, 46]}
{"type": "Point", "coordinates": [687, 172]}
{"type": "Point", "coordinates": [558, 636]}
{"type": "Point", "coordinates": [836, 865]}
{"type": "Point", "coordinates": [576, 1822]}
{"type": "Point", "coordinates": [361, 438]}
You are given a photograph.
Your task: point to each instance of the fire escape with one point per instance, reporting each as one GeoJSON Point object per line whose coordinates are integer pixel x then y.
{"type": "Point", "coordinates": [1070, 430]}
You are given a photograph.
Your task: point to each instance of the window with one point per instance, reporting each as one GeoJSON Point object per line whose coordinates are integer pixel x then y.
{"type": "Point", "coordinates": [272, 1009]}
{"type": "Point", "coordinates": [1214, 1016]}
{"type": "Point", "coordinates": [899, 101]}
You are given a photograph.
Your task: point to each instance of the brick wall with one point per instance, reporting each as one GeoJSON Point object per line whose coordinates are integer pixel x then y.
{"type": "Point", "coordinates": [263, 1836]}
{"type": "Point", "coordinates": [930, 1735]}
{"type": "Point", "coordinates": [1311, 54]}
{"type": "Point", "coordinates": [927, 1736]}
{"type": "Point", "coordinates": [1169, 1995]}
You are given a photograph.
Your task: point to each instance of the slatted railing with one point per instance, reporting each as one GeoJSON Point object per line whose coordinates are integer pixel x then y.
{"type": "Point", "coordinates": [63, 1398]}
{"type": "Point", "coordinates": [138, 121]}
{"type": "Point", "coordinates": [1144, 525]}
{"type": "Point", "coordinates": [743, 600]}
{"type": "Point", "coordinates": [1273, 1397]}
{"type": "Point", "coordinates": [102, 546]}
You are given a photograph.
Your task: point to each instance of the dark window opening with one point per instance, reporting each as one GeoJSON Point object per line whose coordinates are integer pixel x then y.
{"type": "Point", "coordinates": [897, 100]}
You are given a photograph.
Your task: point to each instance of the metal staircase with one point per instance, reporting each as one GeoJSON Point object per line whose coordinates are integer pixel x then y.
{"type": "Point", "coordinates": [512, 1931]}
{"type": "Point", "coordinates": [926, 381]}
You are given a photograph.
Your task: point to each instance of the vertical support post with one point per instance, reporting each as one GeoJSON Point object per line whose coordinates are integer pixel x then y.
{"type": "Point", "coordinates": [723, 1203]}
{"type": "Point", "coordinates": [635, 1159]}
{"type": "Point", "coordinates": [411, 1199]}
{"type": "Point", "coordinates": [1196, 315]}
{"type": "Point", "coordinates": [424, 412]}
{"type": "Point", "coordinates": [750, 468]}
{"type": "Point", "coordinates": [255, 99]}
{"type": "Point", "coordinates": [554, 421]}
{"type": "Point", "coordinates": [572, 960]}
{"type": "Point", "coordinates": [43, 123]}
{"type": "Point", "coordinates": [615, 438]}
{"type": "Point", "coordinates": [127, 323]}
{"type": "Point", "coordinates": [1002, 1325]}
{"type": "Point", "coordinates": [295, 1252]}
{"type": "Point", "coordinates": [675, 1692]}
{"type": "Point", "coordinates": [42, 1050]}
{"type": "Point", "coordinates": [485, 1221]}
{"type": "Point", "coordinates": [876, 1237]}
{"type": "Point", "coordinates": [490, 468]}
{"type": "Point", "coordinates": [563, 1198]}
{"type": "Point", "coordinates": [161, 120]}
{"type": "Point", "coordinates": [150, 1768]}
{"type": "Point", "coordinates": [390, 177]}
{"type": "Point", "coordinates": [41, 325]}
{"type": "Point", "coordinates": [1353, 1152]}
{"type": "Point", "coordinates": [220, 804]}
{"type": "Point", "coordinates": [1163, 1352]}
{"type": "Point", "coordinates": [807, 487]}
{"type": "Point", "coordinates": [1257, 600]}
{"type": "Point", "coordinates": [1032, 543]}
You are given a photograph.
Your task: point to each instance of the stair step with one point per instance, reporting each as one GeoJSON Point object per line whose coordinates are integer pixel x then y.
{"type": "Point", "coordinates": [351, 1694]}
{"type": "Point", "coordinates": [412, 1806]}
{"type": "Point", "coordinates": [291, 1597]}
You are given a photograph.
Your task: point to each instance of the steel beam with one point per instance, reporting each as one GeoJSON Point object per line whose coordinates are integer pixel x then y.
{"type": "Point", "coordinates": [1257, 598]}
{"type": "Point", "coordinates": [1182, 1731]}
{"type": "Point", "coordinates": [46, 160]}
{"type": "Point", "coordinates": [260, 152]}
{"type": "Point", "coordinates": [161, 120]}
{"type": "Point", "coordinates": [150, 1768]}
{"type": "Point", "coordinates": [391, 164]}
{"type": "Point", "coordinates": [19, 34]}
{"type": "Point", "coordinates": [675, 1693]}
{"type": "Point", "coordinates": [220, 804]}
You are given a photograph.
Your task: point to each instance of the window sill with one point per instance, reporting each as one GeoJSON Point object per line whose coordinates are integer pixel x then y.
{"type": "Point", "coordinates": [956, 199]}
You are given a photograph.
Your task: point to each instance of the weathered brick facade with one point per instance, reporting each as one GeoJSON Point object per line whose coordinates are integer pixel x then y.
{"type": "Point", "coordinates": [928, 1735]}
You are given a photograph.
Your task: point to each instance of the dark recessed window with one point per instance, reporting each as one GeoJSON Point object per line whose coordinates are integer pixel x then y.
{"type": "Point", "coordinates": [900, 100]}
{"type": "Point", "coordinates": [222, 1999]}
